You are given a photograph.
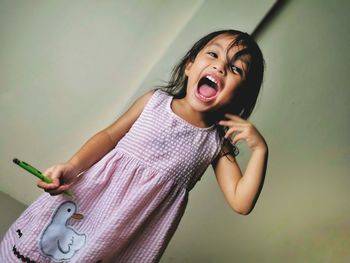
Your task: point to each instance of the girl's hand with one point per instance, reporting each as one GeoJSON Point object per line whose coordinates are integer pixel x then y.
{"type": "Point", "coordinates": [245, 131]}
{"type": "Point", "coordinates": [63, 176]}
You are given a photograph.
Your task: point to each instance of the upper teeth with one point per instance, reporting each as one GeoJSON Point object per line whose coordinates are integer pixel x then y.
{"type": "Point", "coordinates": [212, 79]}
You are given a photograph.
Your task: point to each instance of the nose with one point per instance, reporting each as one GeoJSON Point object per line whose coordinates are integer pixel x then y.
{"type": "Point", "coordinates": [220, 67]}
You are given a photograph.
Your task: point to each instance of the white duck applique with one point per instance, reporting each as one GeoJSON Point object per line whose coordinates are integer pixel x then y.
{"type": "Point", "coordinates": [60, 241]}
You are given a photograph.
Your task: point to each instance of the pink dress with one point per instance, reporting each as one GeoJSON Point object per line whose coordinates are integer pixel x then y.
{"type": "Point", "coordinates": [132, 200]}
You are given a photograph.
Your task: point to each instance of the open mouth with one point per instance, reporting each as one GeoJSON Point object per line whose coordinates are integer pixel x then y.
{"type": "Point", "coordinates": [207, 89]}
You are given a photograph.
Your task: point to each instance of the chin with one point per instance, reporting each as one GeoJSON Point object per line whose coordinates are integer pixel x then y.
{"type": "Point", "coordinates": [201, 105]}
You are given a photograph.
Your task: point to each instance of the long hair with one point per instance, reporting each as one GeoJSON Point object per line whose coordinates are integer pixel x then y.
{"type": "Point", "coordinates": [245, 96]}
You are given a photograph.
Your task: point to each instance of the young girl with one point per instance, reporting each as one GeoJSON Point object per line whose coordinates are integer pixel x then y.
{"type": "Point", "coordinates": [135, 175]}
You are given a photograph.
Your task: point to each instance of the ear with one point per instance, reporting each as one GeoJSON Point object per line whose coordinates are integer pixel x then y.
{"type": "Point", "coordinates": [188, 66]}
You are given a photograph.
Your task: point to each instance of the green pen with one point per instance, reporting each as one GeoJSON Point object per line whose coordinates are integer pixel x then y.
{"type": "Point", "coordinates": [37, 173]}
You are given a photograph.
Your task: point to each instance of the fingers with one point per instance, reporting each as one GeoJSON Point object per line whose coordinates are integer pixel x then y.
{"type": "Point", "coordinates": [238, 137]}
{"type": "Point", "coordinates": [49, 186]}
{"type": "Point", "coordinates": [53, 188]}
{"type": "Point", "coordinates": [58, 190]}
{"type": "Point", "coordinates": [233, 129]}
{"type": "Point", "coordinates": [235, 118]}
{"type": "Point", "coordinates": [59, 174]}
{"type": "Point", "coordinates": [243, 130]}
{"type": "Point", "coordinates": [230, 123]}
{"type": "Point", "coordinates": [236, 125]}
{"type": "Point", "coordinates": [54, 174]}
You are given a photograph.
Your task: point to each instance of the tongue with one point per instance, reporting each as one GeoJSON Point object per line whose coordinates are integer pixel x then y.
{"type": "Point", "coordinates": [207, 91]}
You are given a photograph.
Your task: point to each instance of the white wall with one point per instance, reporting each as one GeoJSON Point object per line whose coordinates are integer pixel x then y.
{"type": "Point", "coordinates": [67, 69]}
{"type": "Point", "coordinates": [304, 212]}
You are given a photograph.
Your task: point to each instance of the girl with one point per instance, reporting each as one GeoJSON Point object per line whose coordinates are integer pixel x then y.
{"type": "Point", "coordinates": [134, 177]}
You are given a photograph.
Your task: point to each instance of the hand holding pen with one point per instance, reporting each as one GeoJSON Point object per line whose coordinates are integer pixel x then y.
{"type": "Point", "coordinates": [55, 180]}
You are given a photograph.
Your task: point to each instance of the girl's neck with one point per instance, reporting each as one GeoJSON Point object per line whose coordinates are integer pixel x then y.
{"type": "Point", "coordinates": [199, 119]}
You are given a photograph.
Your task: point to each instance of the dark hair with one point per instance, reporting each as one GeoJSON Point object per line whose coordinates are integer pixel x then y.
{"type": "Point", "coordinates": [246, 95]}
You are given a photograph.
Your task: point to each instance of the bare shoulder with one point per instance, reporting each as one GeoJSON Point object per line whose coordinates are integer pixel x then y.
{"type": "Point", "coordinates": [121, 126]}
{"type": "Point", "coordinates": [141, 102]}
{"type": "Point", "coordinates": [225, 152]}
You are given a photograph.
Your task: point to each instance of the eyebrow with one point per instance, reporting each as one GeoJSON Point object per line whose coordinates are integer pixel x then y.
{"type": "Point", "coordinates": [218, 45]}
{"type": "Point", "coordinates": [240, 57]}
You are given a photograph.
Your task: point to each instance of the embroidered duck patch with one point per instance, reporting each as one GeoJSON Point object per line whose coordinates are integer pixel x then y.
{"type": "Point", "coordinates": [60, 241]}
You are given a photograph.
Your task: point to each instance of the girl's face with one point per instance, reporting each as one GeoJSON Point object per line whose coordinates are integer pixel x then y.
{"type": "Point", "coordinates": [212, 77]}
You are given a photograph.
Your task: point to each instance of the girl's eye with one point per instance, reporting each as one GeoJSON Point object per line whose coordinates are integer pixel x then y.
{"type": "Point", "coordinates": [212, 54]}
{"type": "Point", "coordinates": [236, 70]}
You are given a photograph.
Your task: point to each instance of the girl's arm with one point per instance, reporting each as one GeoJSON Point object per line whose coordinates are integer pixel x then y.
{"type": "Point", "coordinates": [64, 175]}
{"type": "Point", "coordinates": [242, 192]}
{"type": "Point", "coordinates": [102, 142]}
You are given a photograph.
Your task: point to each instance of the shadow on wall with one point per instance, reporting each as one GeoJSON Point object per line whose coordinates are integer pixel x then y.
{"type": "Point", "coordinates": [268, 18]}
{"type": "Point", "coordinates": [11, 209]}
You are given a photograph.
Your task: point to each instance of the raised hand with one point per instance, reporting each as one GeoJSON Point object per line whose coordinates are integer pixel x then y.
{"type": "Point", "coordinates": [244, 130]}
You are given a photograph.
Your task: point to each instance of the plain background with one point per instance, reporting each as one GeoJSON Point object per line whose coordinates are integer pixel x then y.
{"type": "Point", "coordinates": [68, 69]}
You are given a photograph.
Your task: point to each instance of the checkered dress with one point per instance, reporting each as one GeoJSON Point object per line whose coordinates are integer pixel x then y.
{"type": "Point", "coordinates": [132, 200]}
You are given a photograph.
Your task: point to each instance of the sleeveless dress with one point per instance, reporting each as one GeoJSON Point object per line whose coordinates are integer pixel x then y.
{"type": "Point", "coordinates": [132, 200]}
